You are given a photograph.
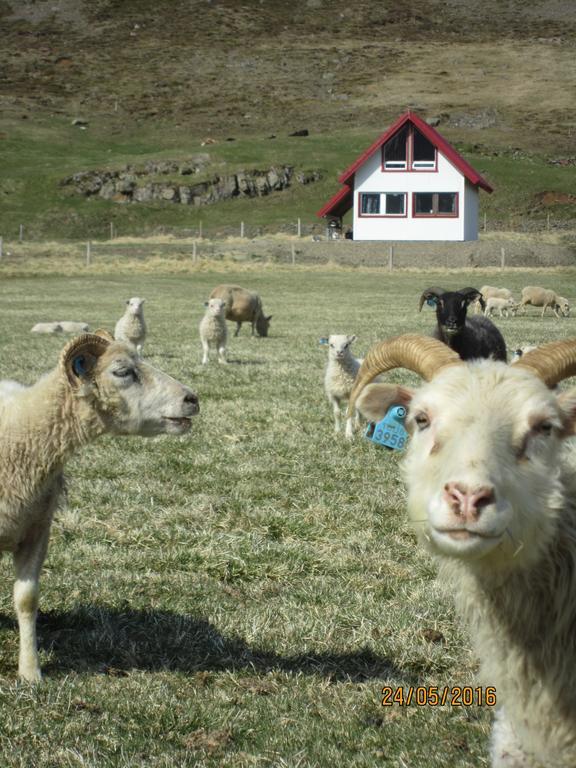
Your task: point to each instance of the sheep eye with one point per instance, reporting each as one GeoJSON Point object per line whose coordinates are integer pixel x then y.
{"type": "Point", "coordinates": [422, 421]}
{"type": "Point", "coordinates": [124, 373]}
{"type": "Point", "coordinates": [545, 428]}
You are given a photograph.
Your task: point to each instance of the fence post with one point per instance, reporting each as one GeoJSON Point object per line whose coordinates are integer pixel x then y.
{"type": "Point", "coordinates": [484, 221]}
{"type": "Point", "coordinates": [1, 247]}
{"type": "Point", "coordinates": [548, 221]}
{"type": "Point", "coordinates": [194, 256]}
{"type": "Point", "coordinates": [293, 253]}
{"type": "Point", "coordinates": [502, 258]}
{"type": "Point", "coordinates": [21, 235]}
{"type": "Point", "coordinates": [88, 253]}
{"type": "Point", "coordinates": [111, 230]}
{"type": "Point", "coordinates": [242, 229]}
{"type": "Point", "coordinates": [200, 230]}
{"type": "Point", "coordinates": [299, 227]}
{"type": "Point", "coordinates": [391, 258]}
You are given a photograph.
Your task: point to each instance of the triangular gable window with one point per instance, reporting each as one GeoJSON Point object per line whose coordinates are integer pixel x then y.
{"type": "Point", "coordinates": [409, 150]}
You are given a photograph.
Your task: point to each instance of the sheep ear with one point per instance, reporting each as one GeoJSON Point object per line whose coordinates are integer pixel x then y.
{"type": "Point", "coordinates": [127, 301]}
{"type": "Point", "coordinates": [430, 293]}
{"type": "Point", "coordinates": [80, 356]}
{"type": "Point", "coordinates": [567, 403]}
{"type": "Point", "coordinates": [205, 303]}
{"type": "Point", "coordinates": [471, 294]}
{"type": "Point", "coordinates": [351, 338]}
{"type": "Point", "coordinates": [375, 400]}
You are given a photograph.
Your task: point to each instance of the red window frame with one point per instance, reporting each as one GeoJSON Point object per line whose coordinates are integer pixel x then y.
{"type": "Point", "coordinates": [454, 215]}
{"type": "Point", "coordinates": [382, 215]}
{"type": "Point", "coordinates": [409, 157]}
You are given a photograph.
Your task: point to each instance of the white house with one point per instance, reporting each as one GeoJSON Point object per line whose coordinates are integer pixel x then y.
{"type": "Point", "coordinates": [410, 184]}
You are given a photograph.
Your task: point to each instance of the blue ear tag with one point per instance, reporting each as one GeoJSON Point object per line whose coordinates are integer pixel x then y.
{"type": "Point", "coordinates": [431, 301]}
{"type": "Point", "coordinates": [79, 365]}
{"type": "Point", "coordinates": [323, 340]}
{"type": "Point", "coordinates": [390, 431]}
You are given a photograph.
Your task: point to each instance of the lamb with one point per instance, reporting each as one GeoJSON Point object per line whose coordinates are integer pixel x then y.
{"type": "Point", "coordinates": [471, 337]}
{"type": "Point", "coordinates": [543, 297]}
{"type": "Point", "coordinates": [243, 306]}
{"type": "Point", "coordinates": [70, 326]}
{"type": "Point", "coordinates": [504, 306]}
{"type": "Point", "coordinates": [213, 332]}
{"type": "Point", "coordinates": [131, 328]}
{"type": "Point", "coordinates": [489, 291]}
{"type": "Point", "coordinates": [47, 328]}
{"type": "Point", "coordinates": [492, 495]}
{"type": "Point", "coordinates": [99, 386]}
{"type": "Point", "coordinates": [339, 377]}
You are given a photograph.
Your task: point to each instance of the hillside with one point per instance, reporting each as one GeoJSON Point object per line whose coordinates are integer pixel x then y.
{"type": "Point", "coordinates": [158, 77]}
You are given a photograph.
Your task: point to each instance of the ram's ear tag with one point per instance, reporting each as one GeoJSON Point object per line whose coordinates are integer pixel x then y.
{"type": "Point", "coordinates": [432, 301]}
{"type": "Point", "coordinates": [79, 366]}
{"type": "Point", "coordinates": [323, 340]}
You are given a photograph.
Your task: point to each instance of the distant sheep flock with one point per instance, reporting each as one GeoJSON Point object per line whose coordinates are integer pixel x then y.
{"type": "Point", "coordinates": [491, 491]}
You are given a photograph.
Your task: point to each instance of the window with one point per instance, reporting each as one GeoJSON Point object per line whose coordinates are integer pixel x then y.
{"type": "Point", "coordinates": [369, 204]}
{"type": "Point", "coordinates": [409, 150]}
{"type": "Point", "coordinates": [436, 204]}
{"type": "Point", "coordinates": [423, 152]}
{"type": "Point", "coordinates": [395, 204]}
{"type": "Point", "coordinates": [396, 150]}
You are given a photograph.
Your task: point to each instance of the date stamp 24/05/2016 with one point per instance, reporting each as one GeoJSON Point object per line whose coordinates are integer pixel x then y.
{"type": "Point", "coordinates": [434, 696]}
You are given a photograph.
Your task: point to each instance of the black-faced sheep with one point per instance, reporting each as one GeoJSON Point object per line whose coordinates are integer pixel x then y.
{"type": "Point", "coordinates": [99, 386]}
{"type": "Point", "coordinates": [470, 337]}
{"type": "Point", "coordinates": [492, 494]}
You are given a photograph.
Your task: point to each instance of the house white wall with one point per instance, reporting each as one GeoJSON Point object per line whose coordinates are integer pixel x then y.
{"type": "Point", "coordinates": [370, 178]}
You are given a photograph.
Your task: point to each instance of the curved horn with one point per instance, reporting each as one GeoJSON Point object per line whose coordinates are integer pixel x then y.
{"type": "Point", "coordinates": [551, 362]}
{"type": "Point", "coordinates": [104, 334]}
{"type": "Point", "coordinates": [421, 354]}
{"type": "Point", "coordinates": [428, 293]}
{"type": "Point", "coordinates": [90, 346]}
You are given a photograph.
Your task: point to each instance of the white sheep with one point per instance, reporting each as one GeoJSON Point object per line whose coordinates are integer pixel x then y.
{"type": "Point", "coordinates": [70, 326]}
{"type": "Point", "coordinates": [520, 351]}
{"type": "Point", "coordinates": [131, 328]}
{"type": "Point", "coordinates": [543, 297]}
{"type": "Point", "coordinates": [339, 375]}
{"type": "Point", "coordinates": [492, 494]}
{"type": "Point", "coordinates": [504, 306]}
{"type": "Point", "coordinates": [49, 328]}
{"type": "Point", "coordinates": [213, 332]}
{"type": "Point", "coordinates": [489, 291]}
{"type": "Point", "coordinates": [99, 386]}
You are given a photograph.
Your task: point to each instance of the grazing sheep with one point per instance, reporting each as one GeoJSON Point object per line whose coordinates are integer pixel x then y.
{"type": "Point", "coordinates": [99, 386]}
{"type": "Point", "coordinates": [69, 326]}
{"type": "Point", "coordinates": [543, 297]}
{"type": "Point", "coordinates": [471, 337]}
{"type": "Point", "coordinates": [504, 306]}
{"type": "Point", "coordinates": [243, 306]}
{"type": "Point", "coordinates": [131, 327]}
{"type": "Point", "coordinates": [47, 328]}
{"type": "Point", "coordinates": [213, 332]}
{"type": "Point", "coordinates": [492, 494]}
{"type": "Point", "coordinates": [339, 376]}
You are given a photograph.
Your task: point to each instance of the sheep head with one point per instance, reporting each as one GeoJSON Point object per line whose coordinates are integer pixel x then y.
{"type": "Point", "coordinates": [135, 305]}
{"type": "Point", "coordinates": [263, 324]}
{"type": "Point", "coordinates": [451, 307]}
{"type": "Point", "coordinates": [128, 396]}
{"type": "Point", "coordinates": [482, 463]}
{"type": "Point", "coordinates": [215, 307]}
{"type": "Point", "coordinates": [338, 345]}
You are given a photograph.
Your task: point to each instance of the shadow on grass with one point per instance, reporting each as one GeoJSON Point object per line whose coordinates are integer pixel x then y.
{"type": "Point", "coordinates": [110, 641]}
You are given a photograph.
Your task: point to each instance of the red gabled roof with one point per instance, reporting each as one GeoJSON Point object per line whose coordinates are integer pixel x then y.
{"type": "Point", "coordinates": [433, 136]}
{"type": "Point", "coordinates": [338, 205]}
{"type": "Point", "coordinates": [342, 201]}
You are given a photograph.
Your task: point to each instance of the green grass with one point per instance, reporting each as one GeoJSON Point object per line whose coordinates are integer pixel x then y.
{"type": "Point", "coordinates": [239, 596]}
{"type": "Point", "coordinates": [38, 156]}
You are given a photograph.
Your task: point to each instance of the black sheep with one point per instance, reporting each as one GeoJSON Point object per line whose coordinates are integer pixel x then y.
{"type": "Point", "coordinates": [471, 337]}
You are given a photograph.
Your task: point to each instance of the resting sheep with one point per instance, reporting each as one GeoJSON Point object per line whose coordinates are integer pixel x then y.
{"type": "Point", "coordinates": [504, 306]}
{"type": "Point", "coordinates": [492, 494]}
{"type": "Point", "coordinates": [471, 337]}
{"type": "Point", "coordinates": [542, 297]}
{"type": "Point", "coordinates": [339, 377]}
{"type": "Point", "coordinates": [243, 306]}
{"type": "Point", "coordinates": [99, 386]}
{"type": "Point", "coordinates": [213, 332]}
{"type": "Point", "coordinates": [131, 328]}
{"type": "Point", "coordinates": [70, 326]}
{"type": "Point", "coordinates": [47, 328]}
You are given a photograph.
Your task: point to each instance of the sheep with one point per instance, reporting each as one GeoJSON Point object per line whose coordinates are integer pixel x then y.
{"type": "Point", "coordinates": [47, 328]}
{"type": "Point", "coordinates": [98, 386]}
{"type": "Point", "coordinates": [491, 493]}
{"type": "Point", "coordinates": [243, 306]}
{"type": "Point", "coordinates": [339, 376]}
{"type": "Point", "coordinates": [471, 337]}
{"type": "Point", "coordinates": [69, 326]}
{"type": "Point", "coordinates": [131, 328]}
{"type": "Point", "coordinates": [543, 297]}
{"type": "Point", "coordinates": [519, 351]}
{"type": "Point", "coordinates": [213, 332]}
{"type": "Point", "coordinates": [504, 306]}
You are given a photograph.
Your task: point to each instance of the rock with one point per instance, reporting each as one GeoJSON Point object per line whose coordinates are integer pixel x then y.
{"type": "Point", "coordinates": [301, 132]}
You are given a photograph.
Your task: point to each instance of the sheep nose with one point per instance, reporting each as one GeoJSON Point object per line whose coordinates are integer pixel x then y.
{"type": "Point", "coordinates": [468, 502]}
{"type": "Point", "coordinates": [192, 399]}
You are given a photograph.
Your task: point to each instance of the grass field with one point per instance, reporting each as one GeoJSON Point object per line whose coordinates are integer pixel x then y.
{"type": "Point", "coordinates": [239, 596]}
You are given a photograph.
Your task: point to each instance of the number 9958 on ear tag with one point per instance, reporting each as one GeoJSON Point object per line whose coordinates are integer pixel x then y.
{"type": "Point", "coordinates": [390, 431]}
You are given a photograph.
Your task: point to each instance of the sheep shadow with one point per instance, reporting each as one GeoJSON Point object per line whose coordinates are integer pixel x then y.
{"type": "Point", "coordinates": [111, 641]}
{"type": "Point", "coordinates": [246, 362]}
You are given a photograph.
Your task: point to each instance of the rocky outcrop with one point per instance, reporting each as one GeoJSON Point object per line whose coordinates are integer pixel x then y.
{"type": "Point", "coordinates": [131, 185]}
